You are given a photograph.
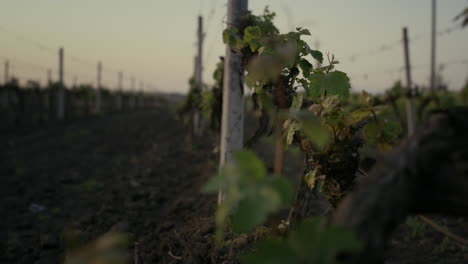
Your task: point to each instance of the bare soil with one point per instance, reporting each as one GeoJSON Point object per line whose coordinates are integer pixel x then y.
{"type": "Point", "coordinates": [139, 174]}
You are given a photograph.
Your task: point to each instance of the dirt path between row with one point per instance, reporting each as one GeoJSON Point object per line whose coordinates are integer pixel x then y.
{"type": "Point", "coordinates": [132, 173]}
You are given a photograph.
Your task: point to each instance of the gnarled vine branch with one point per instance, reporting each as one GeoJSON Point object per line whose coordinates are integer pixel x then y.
{"type": "Point", "coordinates": [426, 174]}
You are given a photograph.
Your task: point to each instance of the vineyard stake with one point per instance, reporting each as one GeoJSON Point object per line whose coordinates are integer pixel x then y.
{"type": "Point", "coordinates": [61, 90]}
{"type": "Point", "coordinates": [142, 99]}
{"type": "Point", "coordinates": [196, 112]}
{"type": "Point", "coordinates": [232, 124]}
{"type": "Point", "coordinates": [119, 91]}
{"type": "Point", "coordinates": [5, 92]}
{"type": "Point", "coordinates": [98, 87]}
{"type": "Point", "coordinates": [49, 76]}
{"type": "Point", "coordinates": [198, 122]}
{"type": "Point", "coordinates": [6, 77]}
{"type": "Point", "coordinates": [133, 94]}
{"type": "Point", "coordinates": [433, 45]}
{"type": "Point", "coordinates": [409, 100]}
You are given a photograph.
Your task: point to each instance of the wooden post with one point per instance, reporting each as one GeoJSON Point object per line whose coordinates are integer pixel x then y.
{"type": "Point", "coordinates": [133, 93]}
{"type": "Point", "coordinates": [232, 125]}
{"type": "Point", "coordinates": [142, 98]}
{"type": "Point", "coordinates": [119, 91]}
{"type": "Point", "coordinates": [99, 88]}
{"type": "Point", "coordinates": [433, 46]}
{"type": "Point", "coordinates": [6, 79]}
{"type": "Point", "coordinates": [61, 91]}
{"type": "Point", "coordinates": [196, 112]}
{"type": "Point", "coordinates": [197, 120]}
{"type": "Point", "coordinates": [200, 54]}
{"type": "Point", "coordinates": [50, 97]}
{"type": "Point", "coordinates": [49, 76]}
{"type": "Point", "coordinates": [409, 101]}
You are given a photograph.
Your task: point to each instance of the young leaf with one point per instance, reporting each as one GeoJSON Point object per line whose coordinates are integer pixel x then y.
{"type": "Point", "coordinates": [292, 128]}
{"type": "Point", "coordinates": [249, 213]}
{"type": "Point", "coordinates": [306, 67]}
{"type": "Point", "coordinates": [252, 32]}
{"type": "Point", "coordinates": [282, 187]}
{"type": "Point", "coordinates": [250, 165]}
{"type": "Point", "coordinates": [252, 35]}
{"type": "Point", "coordinates": [230, 36]}
{"type": "Point", "coordinates": [338, 84]}
{"type": "Point", "coordinates": [312, 242]}
{"type": "Point", "coordinates": [297, 103]}
{"type": "Point", "coordinates": [358, 115]}
{"type": "Point", "coordinates": [317, 55]}
{"type": "Point", "coordinates": [317, 85]}
{"type": "Point", "coordinates": [315, 131]}
{"type": "Point", "coordinates": [303, 31]}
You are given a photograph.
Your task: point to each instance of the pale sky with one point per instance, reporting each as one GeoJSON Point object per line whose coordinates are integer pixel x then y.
{"type": "Point", "coordinates": [154, 40]}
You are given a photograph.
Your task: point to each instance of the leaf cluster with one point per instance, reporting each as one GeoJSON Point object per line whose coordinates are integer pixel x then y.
{"type": "Point", "coordinates": [250, 194]}
{"type": "Point", "coordinates": [311, 242]}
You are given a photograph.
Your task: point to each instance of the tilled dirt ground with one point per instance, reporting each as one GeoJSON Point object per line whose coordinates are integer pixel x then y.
{"type": "Point", "coordinates": [138, 174]}
{"type": "Point", "coordinates": [133, 173]}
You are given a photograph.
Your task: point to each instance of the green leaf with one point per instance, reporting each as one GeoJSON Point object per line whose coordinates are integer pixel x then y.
{"type": "Point", "coordinates": [251, 79]}
{"type": "Point", "coordinates": [338, 84]}
{"type": "Point", "coordinates": [340, 239]}
{"type": "Point", "coordinates": [304, 47]}
{"type": "Point", "coordinates": [250, 166]}
{"type": "Point", "coordinates": [213, 183]}
{"type": "Point", "coordinates": [230, 36]}
{"type": "Point", "coordinates": [306, 237]}
{"type": "Point", "coordinates": [312, 242]}
{"type": "Point", "coordinates": [358, 115]}
{"type": "Point", "coordinates": [222, 214]}
{"type": "Point", "coordinates": [293, 126]}
{"type": "Point", "coordinates": [316, 55]}
{"type": "Point", "coordinates": [249, 213]}
{"type": "Point", "coordinates": [261, 50]}
{"type": "Point", "coordinates": [252, 32]}
{"type": "Point", "coordinates": [315, 131]}
{"type": "Point", "coordinates": [282, 187]}
{"type": "Point", "coordinates": [254, 45]}
{"type": "Point", "coordinates": [311, 178]}
{"type": "Point", "coordinates": [306, 67]}
{"type": "Point", "coordinates": [334, 83]}
{"type": "Point", "coordinates": [304, 83]}
{"type": "Point", "coordinates": [297, 102]}
{"type": "Point", "coordinates": [372, 132]}
{"type": "Point", "coordinates": [303, 31]}
{"type": "Point", "coordinates": [317, 85]}
{"type": "Point", "coordinates": [252, 35]}
{"type": "Point", "coordinates": [294, 36]}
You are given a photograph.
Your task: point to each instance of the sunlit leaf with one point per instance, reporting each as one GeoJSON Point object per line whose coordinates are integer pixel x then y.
{"type": "Point", "coordinates": [358, 115]}
{"type": "Point", "coordinates": [297, 102]}
{"type": "Point", "coordinates": [230, 36]}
